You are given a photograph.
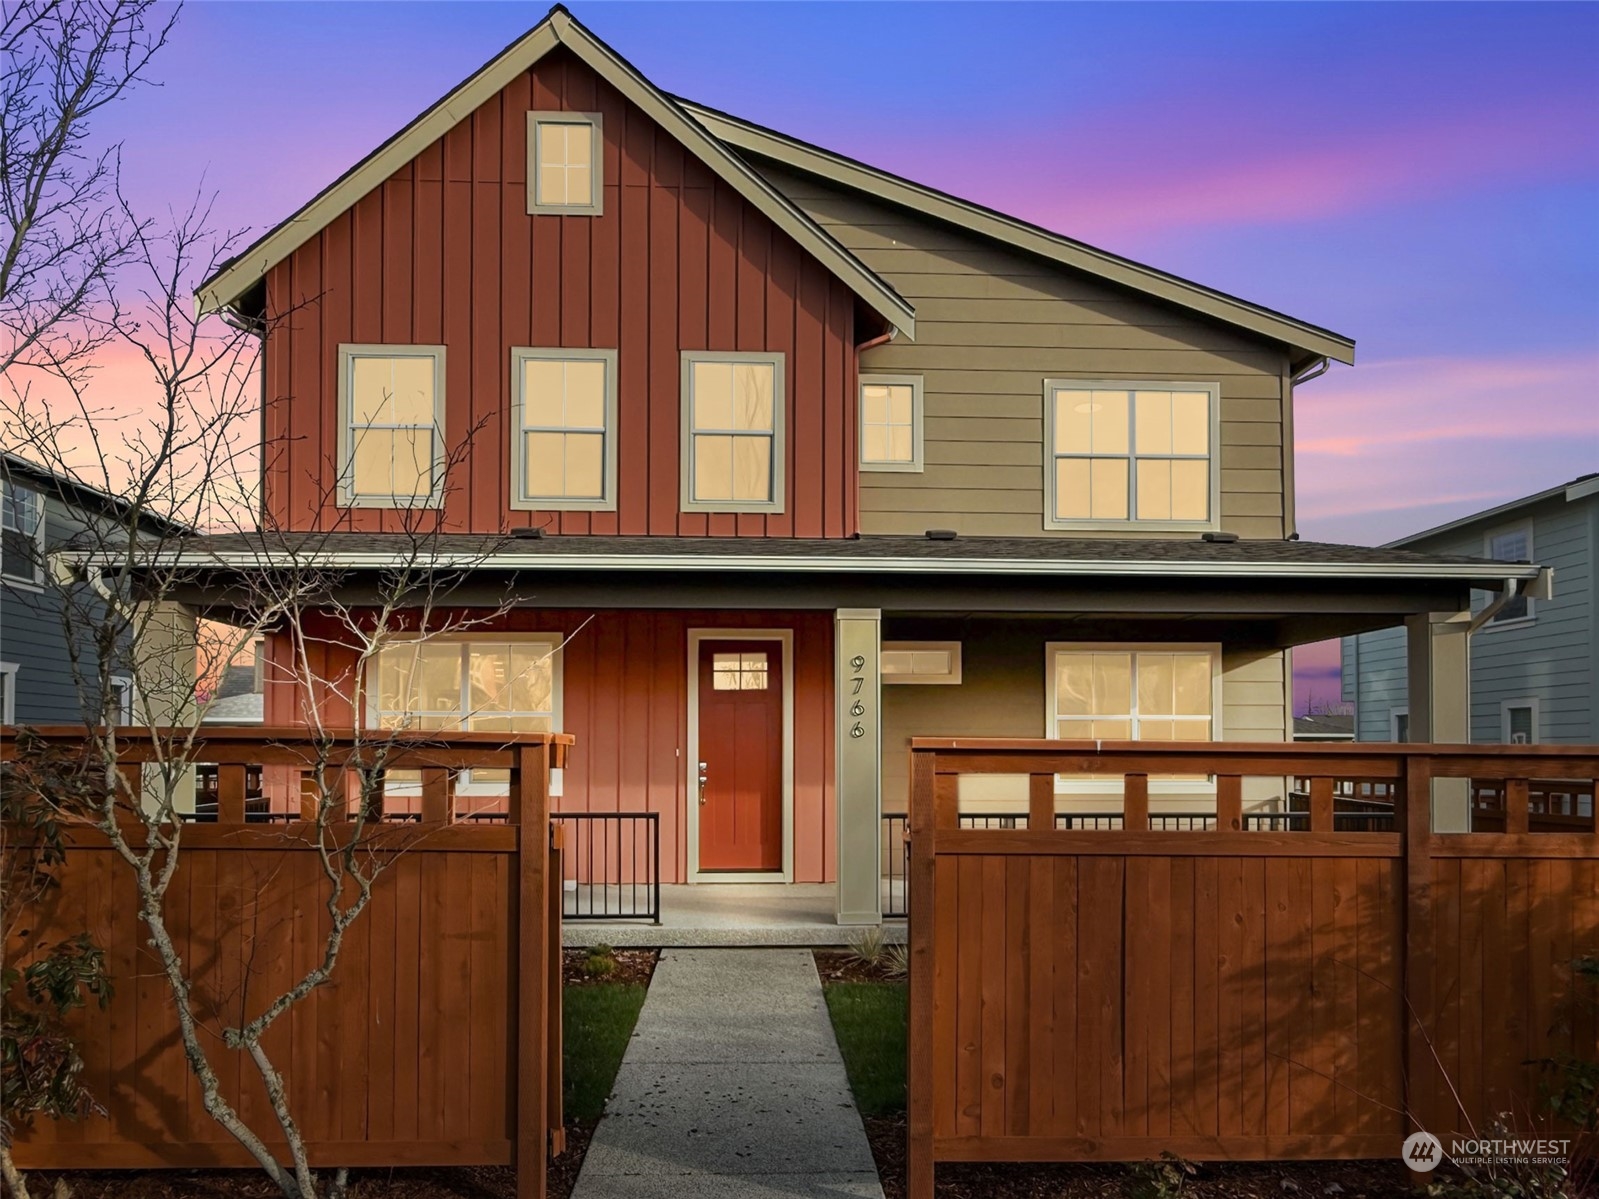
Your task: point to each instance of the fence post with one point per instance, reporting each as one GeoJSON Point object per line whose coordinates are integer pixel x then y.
{"type": "Point", "coordinates": [555, 1114]}
{"type": "Point", "coordinates": [1321, 805]}
{"type": "Point", "coordinates": [1041, 802]}
{"type": "Point", "coordinates": [1516, 819]}
{"type": "Point", "coordinates": [230, 794]}
{"type": "Point", "coordinates": [919, 1062]}
{"type": "Point", "coordinates": [1135, 803]}
{"type": "Point", "coordinates": [1420, 1017]}
{"type": "Point", "coordinates": [1229, 803]}
{"type": "Point", "coordinates": [530, 809]}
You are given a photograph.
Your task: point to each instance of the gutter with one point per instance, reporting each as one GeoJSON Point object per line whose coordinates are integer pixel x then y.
{"type": "Point", "coordinates": [1494, 573]}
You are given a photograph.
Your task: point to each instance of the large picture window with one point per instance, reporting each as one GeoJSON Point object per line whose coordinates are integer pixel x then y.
{"type": "Point", "coordinates": [732, 432]}
{"type": "Point", "coordinates": [1136, 454]}
{"type": "Point", "coordinates": [391, 431]}
{"type": "Point", "coordinates": [565, 414]}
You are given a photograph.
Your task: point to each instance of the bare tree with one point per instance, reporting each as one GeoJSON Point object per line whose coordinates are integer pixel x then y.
{"type": "Point", "coordinates": [61, 63]}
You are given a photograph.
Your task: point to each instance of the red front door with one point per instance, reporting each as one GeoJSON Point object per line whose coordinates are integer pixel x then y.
{"type": "Point", "coordinates": [740, 783]}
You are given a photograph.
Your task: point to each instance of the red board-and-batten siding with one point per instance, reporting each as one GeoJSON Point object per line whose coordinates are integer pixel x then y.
{"type": "Point", "coordinates": [445, 253]}
{"type": "Point", "coordinates": [624, 695]}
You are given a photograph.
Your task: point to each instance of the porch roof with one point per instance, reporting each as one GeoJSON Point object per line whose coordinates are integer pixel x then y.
{"type": "Point", "coordinates": [1035, 556]}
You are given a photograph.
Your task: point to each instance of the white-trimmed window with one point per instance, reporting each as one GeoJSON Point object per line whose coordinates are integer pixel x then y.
{"type": "Point", "coordinates": [1399, 725]}
{"type": "Point", "coordinates": [565, 163]}
{"type": "Point", "coordinates": [1518, 721]}
{"type": "Point", "coordinates": [564, 411]}
{"type": "Point", "coordinates": [1138, 454]}
{"type": "Point", "coordinates": [733, 418]}
{"type": "Point", "coordinates": [21, 534]}
{"type": "Point", "coordinates": [391, 426]}
{"type": "Point", "coordinates": [1512, 544]}
{"type": "Point", "coordinates": [8, 692]}
{"type": "Point", "coordinates": [921, 662]}
{"type": "Point", "coordinates": [891, 422]}
{"type": "Point", "coordinates": [489, 683]}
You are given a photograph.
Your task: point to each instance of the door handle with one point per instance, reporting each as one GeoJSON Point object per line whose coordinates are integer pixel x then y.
{"type": "Point", "coordinates": [702, 782]}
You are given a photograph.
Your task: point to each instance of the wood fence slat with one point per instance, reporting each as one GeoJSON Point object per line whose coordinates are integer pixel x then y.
{"type": "Point", "coordinates": [1018, 990]}
{"type": "Point", "coordinates": [929, 967]}
{"type": "Point", "coordinates": [991, 988]}
{"type": "Point", "coordinates": [1064, 1117]}
{"type": "Point", "coordinates": [1207, 1070]}
{"type": "Point", "coordinates": [1182, 1083]}
{"type": "Point", "coordinates": [1039, 1010]}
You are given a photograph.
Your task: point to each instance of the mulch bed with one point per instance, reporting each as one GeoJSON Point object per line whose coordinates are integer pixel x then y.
{"type": "Point", "coordinates": [841, 966]}
{"type": "Point", "coordinates": [1234, 1180]}
{"type": "Point", "coordinates": [632, 966]}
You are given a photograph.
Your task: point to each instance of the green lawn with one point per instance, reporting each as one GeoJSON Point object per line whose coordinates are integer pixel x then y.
{"type": "Point", "coordinates": [869, 1021]}
{"type": "Point", "coordinates": [597, 1021]}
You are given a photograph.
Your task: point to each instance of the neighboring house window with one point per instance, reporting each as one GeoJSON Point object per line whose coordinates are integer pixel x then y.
{"type": "Point", "coordinates": [891, 422]}
{"type": "Point", "coordinates": [1133, 693]}
{"type": "Point", "coordinates": [1137, 454]}
{"type": "Point", "coordinates": [21, 534]}
{"type": "Point", "coordinates": [732, 432]}
{"type": "Point", "coordinates": [391, 426]}
{"type": "Point", "coordinates": [8, 692]}
{"type": "Point", "coordinates": [921, 662]}
{"type": "Point", "coordinates": [509, 683]}
{"type": "Point", "coordinates": [119, 699]}
{"type": "Point", "coordinates": [565, 163]}
{"type": "Point", "coordinates": [564, 407]}
{"type": "Point", "coordinates": [1511, 545]}
{"type": "Point", "coordinates": [1399, 725]}
{"type": "Point", "coordinates": [1518, 721]}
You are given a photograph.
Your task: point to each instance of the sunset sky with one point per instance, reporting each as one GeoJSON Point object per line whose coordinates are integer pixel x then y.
{"type": "Point", "coordinates": [1421, 177]}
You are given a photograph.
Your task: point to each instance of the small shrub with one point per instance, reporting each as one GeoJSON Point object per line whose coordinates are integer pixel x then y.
{"type": "Point", "coordinates": [897, 961]}
{"type": "Point", "coordinates": [1164, 1179]}
{"type": "Point", "coordinates": [600, 961]}
{"type": "Point", "coordinates": [866, 946]}
{"type": "Point", "coordinates": [1571, 1082]}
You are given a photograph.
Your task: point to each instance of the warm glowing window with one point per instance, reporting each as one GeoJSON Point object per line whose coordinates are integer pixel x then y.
{"type": "Point", "coordinates": [733, 432]}
{"type": "Point", "coordinates": [921, 662]}
{"type": "Point", "coordinates": [566, 416]}
{"type": "Point", "coordinates": [565, 160]}
{"type": "Point", "coordinates": [1116, 694]}
{"type": "Point", "coordinates": [891, 422]}
{"type": "Point", "coordinates": [1129, 454]}
{"type": "Point", "coordinates": [392, 435]}
{"type": "Point", "coordinates": [739, 672]}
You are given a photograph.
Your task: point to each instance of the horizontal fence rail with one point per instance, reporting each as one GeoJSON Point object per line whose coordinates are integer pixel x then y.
{"type": "Point", "coordinates": [1308, 984]}
{"type": "Point", "coordinates": [438, 1039]}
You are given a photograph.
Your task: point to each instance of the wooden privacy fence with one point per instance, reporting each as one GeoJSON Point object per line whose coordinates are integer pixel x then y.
{"type": "Point", "coordinates": [437, 1041]}
{"type": "Point", "coordinates": [1225, 993]}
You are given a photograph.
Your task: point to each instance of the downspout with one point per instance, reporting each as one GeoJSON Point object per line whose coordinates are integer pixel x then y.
{"type": "Point", "coordinates": [861, 348]}
{"type": "Point", "coordinates": [1290, 502]}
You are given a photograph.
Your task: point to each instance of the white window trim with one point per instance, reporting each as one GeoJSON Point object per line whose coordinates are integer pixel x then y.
{"type": "Point", "coordinates": [521, 500]}
{"type": "Point", "coordinates": [8, 692]}
{"type": "Point", "coordinates": [914, 382]}
{"type": "Point", "coordinates": [1522, 526]}
{"type": "Point", "coordinates": [1156, 786]}
{"type": "Point", "coordinates": [36, 582]}
{"type": "Point", "coordinates": [348, 496]}
{"type": "Point", "coordinates": [1531, 702]}
{"type": "Point", "coordinates": [596, 123]}
{"type": "Point", "coordinates": [1155, 526]}
{"type": "Point", "coordinates": [464, 785]}
{"type": "Point", "coordinates": [130, 697]}
{"type": "Point", "coordinates": [952, 678]}
{"type": "Point", "coordinates": [778, 362]}
{"type": "Point", "coordinates": [1393, 724]}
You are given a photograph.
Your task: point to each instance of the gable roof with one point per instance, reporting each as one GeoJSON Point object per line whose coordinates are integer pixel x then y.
{"type": "Point", "coordinates": [1314, 341]}
{"type": "Point", "coordinates": [559, 28]}
{"type": "Point", "coordinates": [1579, 488]}
{"type": "Point", "coordinates": [63, 487]}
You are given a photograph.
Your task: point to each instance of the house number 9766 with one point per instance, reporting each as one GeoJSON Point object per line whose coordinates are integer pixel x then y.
{"type": "Point", "coordinates": [857, 665]}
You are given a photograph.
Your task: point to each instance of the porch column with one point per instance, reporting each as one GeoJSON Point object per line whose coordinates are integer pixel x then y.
{"type": "Point", "coordinates": [1438, 658]}
{"type": "Point", "coordinates": [857, 644]}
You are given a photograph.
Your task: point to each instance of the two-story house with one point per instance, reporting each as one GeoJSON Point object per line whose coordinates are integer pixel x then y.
{"type": "Point", "coordinates": [1533, 662]}
{"type": "Point", "coordinates": [817, 458]}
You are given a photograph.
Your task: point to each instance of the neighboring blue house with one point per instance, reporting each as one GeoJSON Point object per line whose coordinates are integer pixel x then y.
{"type": "Point", "coordinates": [1534, 662]}
{"type": "Point", "coordinates": [40, 512]}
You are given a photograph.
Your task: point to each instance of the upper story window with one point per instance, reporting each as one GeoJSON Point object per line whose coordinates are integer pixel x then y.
{"type": "Point", "coordinates": [891, 422]}
{"type": "Point", "coordinates": [1135, 454]}
{"type": "Point", "coordinates": [391, 426]}
{"type": "Point", "coordinates": [1518, 721]}
{"type": "Point", "coordinates": [733, 420]}
{"type": "Point", "coordinates": [21, 534]}
{"type": "Point", "coordinates": [564, 163]}
{"type": "Point", "coordinates": [564, 410]}
{"type": "Point", "coordinates": [1512, 544]}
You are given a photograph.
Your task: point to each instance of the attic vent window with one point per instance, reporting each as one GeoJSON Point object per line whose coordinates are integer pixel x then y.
{"type": "Point", "coordinates": [565, 163]}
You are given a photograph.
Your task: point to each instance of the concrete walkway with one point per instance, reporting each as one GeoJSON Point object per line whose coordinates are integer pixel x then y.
{"type": "Point", "coordinates": [732, 1086]}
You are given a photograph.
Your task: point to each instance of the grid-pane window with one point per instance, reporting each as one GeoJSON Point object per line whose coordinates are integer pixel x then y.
{"type": "Point", "coordinates": [1521, 724]}
{"type": "Point", "coordinates": [566, 163]}
{"type": "Point", "coordinates": [891, 422]}
{"type": "Point", "coordinates": [733, 423]}
{"type": "Point", "coordinates": [746, 671]}
{"type": "Point", "coordinates": [1134, 454]}
{"type": "Point", "coordinates": [393, 440]}
{"type": "Point", "coordinates": [21, 532]}
{"type": "Point", "coordinates": [567, 411]}
{"type": "Point", "coordinates": [1134, 695]}
{"type": "Point", "coordinates": [1512, 545]}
